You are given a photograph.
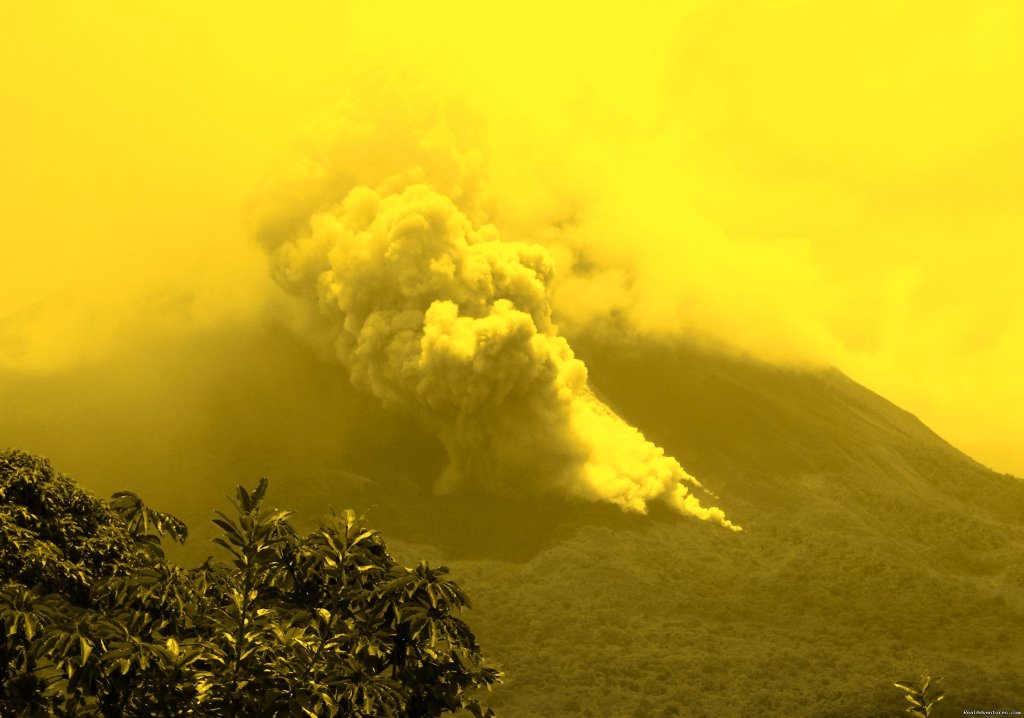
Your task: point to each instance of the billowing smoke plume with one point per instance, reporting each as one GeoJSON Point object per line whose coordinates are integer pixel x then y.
{"type": "Point", "coordinates": [440, 317]}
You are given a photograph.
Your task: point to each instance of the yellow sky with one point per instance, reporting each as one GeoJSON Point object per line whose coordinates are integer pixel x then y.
{"type": "Point", "coordinates": [806, 181]}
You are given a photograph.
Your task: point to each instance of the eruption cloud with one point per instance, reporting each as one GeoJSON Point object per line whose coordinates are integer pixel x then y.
{"type": "Point", "coordinates": [439, 317]}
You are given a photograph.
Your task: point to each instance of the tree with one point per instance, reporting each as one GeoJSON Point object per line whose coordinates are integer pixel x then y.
{"type": "Point", "coordinates": [96, 622]}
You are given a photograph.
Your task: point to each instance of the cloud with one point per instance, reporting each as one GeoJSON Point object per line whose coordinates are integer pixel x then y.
{"type": "Point", "coordinates": [801, 182]}
{"type": "Point", "coordinates": [442, 319]}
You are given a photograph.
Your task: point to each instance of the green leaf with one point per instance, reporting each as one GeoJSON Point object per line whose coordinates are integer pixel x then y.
{"type": "Point", "coordinates": [243, 495]}
{"type": "Point", "coordinates": [232, 548]}
{"type": "Point", "coordinates": [274, 516]}
{"type": "Point", "coordinates": [261, 491]}
{"type": "Point", "coordinates": [363, 535]}
{"type": "Point", "coordinates": [229, 527]}
{"type": "Point", "coordinates": [143, 578]}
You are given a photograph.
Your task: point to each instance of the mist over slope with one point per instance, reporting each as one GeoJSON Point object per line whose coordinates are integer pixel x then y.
{"type": "Point", "coordinates": [785, 429]}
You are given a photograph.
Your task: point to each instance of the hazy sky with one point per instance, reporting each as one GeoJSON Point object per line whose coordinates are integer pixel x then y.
{"type": "Point", "coordinates": [809, 182]}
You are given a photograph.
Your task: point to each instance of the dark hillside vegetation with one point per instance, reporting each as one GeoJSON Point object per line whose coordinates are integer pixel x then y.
{"type": "Point", "coordinates": [873, 550]}
{"type": "Point", "coordinates": [96, 622]}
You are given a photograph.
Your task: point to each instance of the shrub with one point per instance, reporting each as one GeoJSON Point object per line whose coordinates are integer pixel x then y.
{"type": "Point", "coordinates": [922, 695]}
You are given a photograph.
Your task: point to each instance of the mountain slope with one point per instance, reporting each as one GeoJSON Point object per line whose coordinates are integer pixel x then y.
{"type": "Point", "coordinates": [775, 442]}
{"type": "Point", "coordinates": [873, 549]}
{"type": "Point", "coordinates": [724, 413]}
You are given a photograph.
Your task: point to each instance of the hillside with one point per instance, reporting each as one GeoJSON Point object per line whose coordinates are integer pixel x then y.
{"type": "Point", "coordinates": [873, 550]}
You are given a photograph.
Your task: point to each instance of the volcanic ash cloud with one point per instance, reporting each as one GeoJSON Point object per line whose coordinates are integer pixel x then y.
{"type": "Point", "coordinates": [444, 320]}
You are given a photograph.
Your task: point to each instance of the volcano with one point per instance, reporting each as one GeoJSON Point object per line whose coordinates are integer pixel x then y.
{"type": "Point", "coordinates": [872, 549]}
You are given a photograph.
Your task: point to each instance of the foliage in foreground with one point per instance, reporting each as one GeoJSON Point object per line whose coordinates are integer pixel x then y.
{"type": "Point", "coordinates": [94, 621]}
{"type": "Point", "coordinates": [922, 695]}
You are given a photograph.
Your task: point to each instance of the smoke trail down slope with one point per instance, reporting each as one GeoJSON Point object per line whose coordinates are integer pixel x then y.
{"type": "Point", "coordinates": [443, 319]}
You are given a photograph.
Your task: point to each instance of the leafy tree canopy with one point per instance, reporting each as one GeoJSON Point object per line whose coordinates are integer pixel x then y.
{"type": "Point", "coordinates": [95, 621]}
